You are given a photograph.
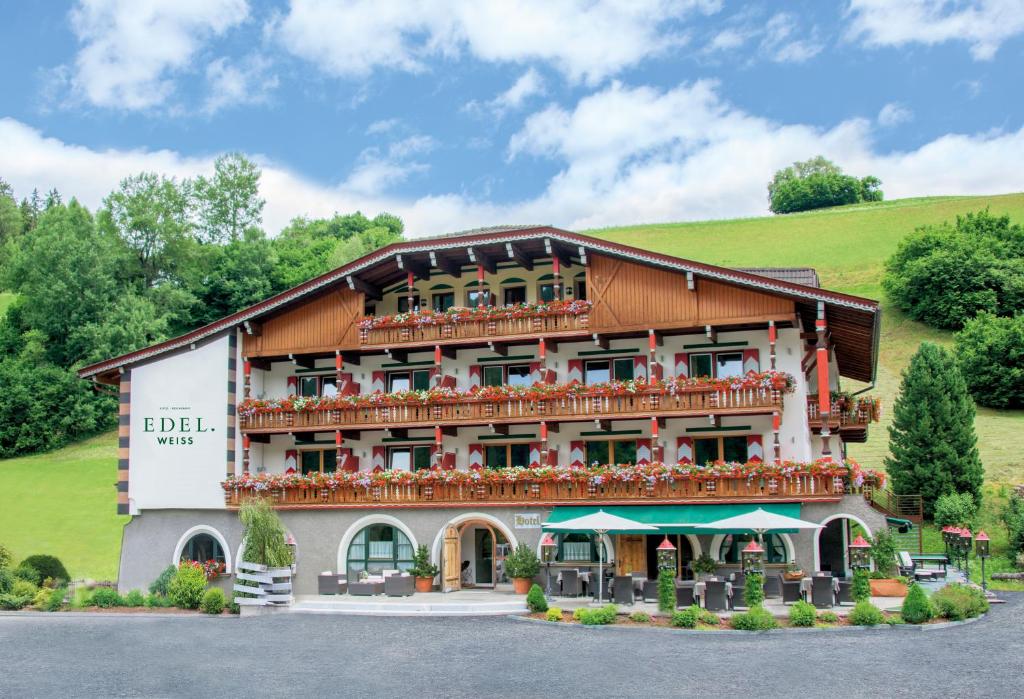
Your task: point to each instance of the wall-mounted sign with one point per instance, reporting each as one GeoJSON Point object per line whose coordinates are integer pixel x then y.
{"type": "Point", "coordinates": [177, 430]}
{"type": "Point", "coordinates": [526, 520]}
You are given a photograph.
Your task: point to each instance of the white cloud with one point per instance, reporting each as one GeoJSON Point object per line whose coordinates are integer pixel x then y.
{"type": "Point", "coordinates": [983, 24]}
{"type": "Point", "coordinates": [382, 126]}
{"type": "Point", "coordinates": [586, 40]}
{"type": "Point", "coordinates": [781, 38]}
{"type": "Point", "coordinates": [131, 49]}
{"type": "Point", "coordinates": [894, 114]}
{"type": "Point", "coordinates": [728, 39]}
{"type": "Point", "coordinates": [248, 81]}
{"type": "Point", "coordinates": [529, 84]}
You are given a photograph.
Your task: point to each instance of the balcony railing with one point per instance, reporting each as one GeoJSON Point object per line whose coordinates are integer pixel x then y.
{"type": "Point", "coordinates": [856, 413]}
{"type": "Point", "coordinates": [468, 410]}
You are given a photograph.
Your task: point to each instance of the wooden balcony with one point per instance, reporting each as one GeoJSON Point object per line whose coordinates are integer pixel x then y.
{"type": "Point", "coordinates": [468, 331]}
{"type": "Point", "coordinates": [851, 423]}
{"type": "Point", "coordinates": [467, 410]}
{"type": "Point", "coordinates": [548, 493]}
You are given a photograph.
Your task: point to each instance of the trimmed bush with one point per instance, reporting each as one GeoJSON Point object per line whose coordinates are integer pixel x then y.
{"type": "Point", "coordinates": [105, 597]}
{"type": "Point", "coordinates": [233, 607]}
{"type": "Point", "coordinates": [686, 618]}
{"type": "Point", "coordinates": [753, 592]}
{"type": "Point", "coordinates": [187, 586]}
{"type": "Point", "coordinates": [48, 567]}
{"type": "Point", "coordinates": [56, 600]}
{"type": "Point", "coordinates": [162, 584]}
{"type": "Point", "coordinates": [709, 618]}
{"type": "Point", "coordinates": [861, 588]}
{"type": "Point", "coordinates": [802, 614]}
{"type": "Point", "coordinates": [6, 580]}
{"type": "Point", "coordinates": [13, 602]}
{"type": "Point", "coordinates": [536, 600]}
{"type": "Point", "coordinates": [24, 572]}
{"type": "Point", "coordinates": [917, 608]}
{"type": "Point", "coordinates": [957, 602]}
{"type": "Point", "coordinates": [134, 599]}
{"type": "Point", "coordinates": [597, 617]}
{"type": "Point", "coordinates": [866, 614]}
{"type": "Point", "coordinates": [757, 619]}
{"type": "Point", "coordinates": [666, 591]}
{"type": "Point", "coordinates": [828, 618]}
{"type": "Point", "coordinates": [522, 563]}
{"type": "Point", "coordinates": [213, 601]}
{"type": "Point", "coordinates": [640, 617]}
{"type": "Point", "coordinates": [554, 614]}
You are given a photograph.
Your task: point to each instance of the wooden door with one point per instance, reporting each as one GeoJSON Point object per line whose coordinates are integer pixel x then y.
{"type": "Point", "coordinates": [630, 554]}
{"type": "Point", "coordinates": [452, 560]}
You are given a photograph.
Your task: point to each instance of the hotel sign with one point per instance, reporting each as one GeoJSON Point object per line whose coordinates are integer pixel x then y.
{"type": "Point", "coordinates": [174, 429]}
{"type": "Point", "coordinates": [526, 520]}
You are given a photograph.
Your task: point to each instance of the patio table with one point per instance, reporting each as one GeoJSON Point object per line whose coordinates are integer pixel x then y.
{"type": "Point", "coordinates": [700, 586]}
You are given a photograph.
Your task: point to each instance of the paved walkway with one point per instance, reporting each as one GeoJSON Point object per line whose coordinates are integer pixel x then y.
{"type": "Point", "coordinates": [297, 655]}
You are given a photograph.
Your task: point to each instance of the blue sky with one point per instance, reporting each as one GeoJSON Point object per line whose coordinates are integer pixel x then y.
{"type": "Point", "coordinates": [464, 113]}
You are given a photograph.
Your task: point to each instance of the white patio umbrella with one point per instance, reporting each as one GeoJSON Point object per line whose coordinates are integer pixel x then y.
{"type": "Point", "coordinates": [760, 522]}
{"type": "Point", "coordinates": [600, 523]}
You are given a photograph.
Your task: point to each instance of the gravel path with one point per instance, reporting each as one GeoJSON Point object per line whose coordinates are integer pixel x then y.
{"type": "Point", "coordinates": [310, 656]}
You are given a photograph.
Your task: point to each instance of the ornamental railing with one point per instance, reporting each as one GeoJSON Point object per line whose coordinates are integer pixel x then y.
{"type": "Point", "coordinates": [797, 487]}
{"type": "Point", "coordinates": [469, 329]}
{"type": "Point", "coordinates": [697, 401]}
{"type": "Point", "coordinates": [860, 414]}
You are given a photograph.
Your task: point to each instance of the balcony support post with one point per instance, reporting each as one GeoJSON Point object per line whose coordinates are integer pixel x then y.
{"type": "Point", "coordinates": [339, 440]}
{"type": "Point", "coordinates": [410, 283]}
{"type": "Point", "coordinates": [543, 443]}
{"type": "Point", "coordinates": [556, 269]}
{"type": "Point", "coordinates": [437, 365]}
{"type": "Point", "coordinates": [246, 443]}
{"type": "Point", "coordinates": [438, 447]}
{"type": "Point", "coordinates": [339, 365]}
{"type": "Point", "coordinates": [655, 444]}
{"type": "Point", "coordinates": [772, 337]}
{"type": "Point", "coordinates": [776, 424]}
{"type": "Point", "coordinates": [824, 392]}
{"type": "Point", "coordinates": [247, 378]}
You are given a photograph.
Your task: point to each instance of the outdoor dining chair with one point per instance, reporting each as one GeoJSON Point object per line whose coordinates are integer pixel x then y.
{"type": "Point", "coordinates": [650, 591]}
{"type": "Point", "coordinates": [684, 595]}
{"type": "Point", "coordinates": [715, 599]}
{"type": "Point", "coordinates": [790, 591]}
{"type": "Point", "coordinates": [845, 592]}
{"type": "Point", "coordinates": [623, 589]}
{"type": "Point", "coordinates": [772, 586]}
{"type": "Point", "coordinates": [570, 583]}
{"type": "Point", "coordinates": [822, 592]}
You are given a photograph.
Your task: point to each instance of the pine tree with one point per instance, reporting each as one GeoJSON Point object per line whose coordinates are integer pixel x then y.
{"type": "Point", "coordinates": [932, 440]}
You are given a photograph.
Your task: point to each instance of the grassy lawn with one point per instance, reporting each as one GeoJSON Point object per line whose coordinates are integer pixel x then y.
{"type": "Point", "coordinates": [63, 503]}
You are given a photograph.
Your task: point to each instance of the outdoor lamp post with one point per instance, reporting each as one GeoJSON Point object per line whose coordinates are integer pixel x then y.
{"type": "Point", "coordinates": [965, 548]}
{"type": "Point", "coordinates": [953, 544]}
{"type": "Point", "coordinates": [981, 549]}
{"type": "Point", "coordinates": [946, 537]}
{"type": "Point", "coordinates": [666, 555]}
{"type": "Point", "coordinates": [860, 553]}
{"type": "Point", "coordinates": [751, 557]}
{"type": "Point", "coordinates": [547, 552]}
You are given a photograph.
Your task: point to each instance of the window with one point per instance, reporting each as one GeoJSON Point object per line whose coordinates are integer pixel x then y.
{"type": "Point", "coordinates": [719, 364]}
{"type": "Point", "coordinates": [727, 449]}
{"type": "Point", "coordinates": [701, 365]}
{"type": "Point", "coordinates": [442, 302]}
{"type": "Point", "coordinates": [418, 380]}
{"type": "Point", "coordinates": [546, 292]}
{"type": "Point", "coordinates": [473, 298]}
{"type": "Point", "coordinates": [412, 458]}
{"type": "Point", "coordinates": [604, 370]}
{"type": "Point", "coordinates": [511, 374]}
{"type": "Point", "coordinates": [577, 547]}
{"type": "Point", "coordinates": [202, 548]}
{"type": "Point", "coordinates": [733, 544]}
{"type": "Point", "coordinates": [310, 386]}
{"type": "Point", "coordinates": [318, 460]}
{"type": "Point", "coordinates": [506, 455]}
{"type": "Point", "coordinates": [512, 295]}
{"type": "Point", "coordinates": [403, 304]}
{"type": "Point", "coordinates": [377, 548]}
{"type": "Point", "coordinates": [612, 452]}
{"type": "Point", "coordinates": [581, 289]}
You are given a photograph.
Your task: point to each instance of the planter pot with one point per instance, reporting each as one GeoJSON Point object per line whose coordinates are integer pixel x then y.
{"type": "Point", "coordinates": [795, 575]}
{"type": "Point", "coordinates": [424, 584]}
{"type": "Point", "coordinates": [521, 585]}
{"type": "Point", "coordinates": [887, 587]}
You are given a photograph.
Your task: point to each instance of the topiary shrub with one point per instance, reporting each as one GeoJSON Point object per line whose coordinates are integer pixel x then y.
{"type": "Point", "coordinates": [802, 614]}
{"type": "Point", "coordinates": [536, 600]}
{"type": "Point", "coordinates": [860, 590]}
{"type": "Point", "coordinates": [666, 591]}
{"type": "Point", "coordinates": [828, 618]}
{"type": "Point", "coordinates": [105, 597]}
{"type": "Point", "coordinates": [686, 618]}
{"type": "Point", "coordinates": [866, 614]}
{"type": "Point", "coordinates": [917, 608]}
{"type": "Point", "coordinates": [956, 602]}
{"type": "Point", "coordinates": [134, 599]}
{"type": "Point", "coordinates": [162, 584]}
{"type": "Point", "coordinates": [756, 619]}
{"type": "Point", "coordinates": [48, 567]}
{"type": "Point", "coordinates": [640, 617]}
{"type": "Point", "coordinates": [213, 601]}
{"type": "Point", "coordinates": [753, 593]}
{"type": "Point", "coordinates": [188, 585]}
{"type": "Point", "coordinates": [554, 614]}
{"type": "Point", "coordinates": [522, 563]}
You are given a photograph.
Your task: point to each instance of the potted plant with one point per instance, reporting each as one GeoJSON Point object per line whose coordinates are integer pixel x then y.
{"type": "Point", "coordinates": [884, 582]}
{"type": "Point", "coordinates": [522, 565]}
{"type": "Point", "coordinates": [704, 566]}
{"type": "Point", "coordinates": [423, 569]}
{"type": "Point", "coordinates": [792, 572]}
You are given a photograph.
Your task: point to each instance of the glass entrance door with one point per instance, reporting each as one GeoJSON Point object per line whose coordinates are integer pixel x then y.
{"type": "Point", "coordinates": [484, 547]}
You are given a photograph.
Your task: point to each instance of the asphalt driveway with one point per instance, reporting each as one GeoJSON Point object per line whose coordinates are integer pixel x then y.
{"type": "Point", "coordinates": [309, 656]}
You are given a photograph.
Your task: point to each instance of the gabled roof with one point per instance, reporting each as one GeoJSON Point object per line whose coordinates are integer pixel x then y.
{"type": "Point", "coordinates": [383, 266]}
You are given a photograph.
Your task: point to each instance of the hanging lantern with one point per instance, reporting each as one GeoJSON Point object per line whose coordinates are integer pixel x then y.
{"type": "Point", "coordinates": [752, 556]}
{"type": "Point", "coordinates": [860, 553]}
{"type": "Point", "coordinates": [666, 555]}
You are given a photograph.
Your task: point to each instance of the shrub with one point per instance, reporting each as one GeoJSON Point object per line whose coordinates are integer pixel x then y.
{"type": "Point", "coordinates": [686, 618]}
{"type": "Point", "coordinates": [24, 572]}
{"type": "Point", "coordinates": [56, 600]}
{"type": "Point", "coordinates": [188, 585]}
{"type": "Point", "coordinates": [5, 556]}
{"type": "Point", "coordinates": [162, 583]}
{"type": "Point", "coordinates": [883, 552]}
{"type": "Point", "coordinates": [756, 619]}
{"type": "Point", "coordinates": [956, 602]}
{"type": "Point", "coordinates": [233, 607]}
{"type": "Point", "coordinates": [990, 351]}
{"type": "Point", "coordinates": [106, 597]}
{"type": "Point", "coordinates": [42, 598]}
{"type": "Point", "coordinates": [866, 614]}
{"type": "Point", "coordinates": [48, 567]}
{"type": "Point", "coordinates": [666, 591]}
{"type": "Point", "coordinates": [264, 536]}
{"type": "Point", "coordinates": [24, 588]}
{"type": "Point", "coordinates": [955, 509]}
{"type": "Point", "coordinates": [709, 618]}
{"type": "Point", "coordinates": [596, 617]}
{"type": "Point", "coordinates": [213, 601]}
{"type": "Point", "coordinates": [421, 565]}
{"type": "Point", "coordinates": [522, 563]}
{"type": "Point", "coordinates": [828, 618]}
{"type": "Point", "coordinates": [156, 601]}
{"type": "Point", "coordinates": [6, 580]}
{"type": "Point", "coordinates": [860, 590]}
{"type": "Point", "coordinates": [554, 614]}
{"type": "Point", "coordinates": [640, 617]}
{"type": "Point", "coordinates": [134, 599]}
{"type": "Point", "coordinates": [917, 609]}
{"type": "Point", "coordinates": [802, 614]}
{"type": "Point", "coordinates": [753, 592]}
{"type": "Point", "coordinates": [535, 599]}
{"type": "Point", "coordinates": [817, 183]}
{"type": "Point", "coordinates": [13, 602]}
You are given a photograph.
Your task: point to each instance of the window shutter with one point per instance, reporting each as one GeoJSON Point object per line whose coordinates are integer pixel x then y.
{"type": "Point", "coordinates": [448, 461]}
{"type": "Point", "coordinates": [656, 372]}
{"type": "Point", "coordinates": [347, 387]}
{"type": "Point", "coordinates": [291, 460]}
{"type": "Point", "coordinates": [577, 454]}
{"type": "Point", "coordinates": [755, 448]}
{"type": "Point", "coordinates": [476, 456]}
{"type": "Point", "coordinates": [349, 462]}
{"type": "Point", "coordinates": [293, 385]}
{"type": "Point", "coordinates": [640, 367]}
{"type": "Point", "coordinates": [751, 361]}
{"type": "Point", "coordinates": [475, 372]}
{"type": "Point", "coordinates": [643, 452]}
{"type": "Point", "coordinates": [448, 381]}
{"type": "Point", "coordinates": [552, 456]}
{"type": "Point", "coordinates": [682, 364]}
{"type": "Point", "coordinates": [379, 461]}
{"type": "Point", "coordinates": [534, 454]}
{"type": "Point", "coordinates": [535, 373]}
{"type": "Point", "coordinates": [684, 450]}
{"type": "Point", "coordinates": [575, 371]}
{"type": "Point", "coordinates": [377, 382]}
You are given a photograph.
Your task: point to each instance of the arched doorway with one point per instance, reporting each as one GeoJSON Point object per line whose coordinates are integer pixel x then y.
{"type": "Point", "coordinates": [687, 549]}
{"type": "Point", "coordinates": [831, 543]}
{"type": "Point", "coordinates": [472, 550]}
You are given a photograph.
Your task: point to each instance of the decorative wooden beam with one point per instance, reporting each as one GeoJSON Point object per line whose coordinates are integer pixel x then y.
{"type": "Point", "coordinates": [350, 434]}
{"type": "Point", "coordinates": [522, 258]}
{"type": "Point", "coordinates": [659, 337]}
{"type": "Point", "coordinates": [259, 363]}
{"type": "Point", "coordinates": [582, 251]}
{"type": "Point", "coordinates": [450, 431]}
{"type": "Point", "coordinates": [661, 423]}
{"type": "Point", "coordinates": [498, 428]}
{"type": "Point", "coordinates": [715, 420]}
{"type": "Point", "coordinates": [368, 290]}
{"type": "Point", "coordinates": [603, 425]}
{"type": "Point", "coordinates": [305, 362]}
{"type": "Point", "coordinates": [601, 341]}
{"type": "Point", "coordinates": [489, 264]}
{"type": "Point", "coordinates": [419, 270]}
{"type": "Point", "coordinates": [556, 250]}
{"type": "Point", "coordinates": [711, 334]}
{"type": "Point", "coordinates": [261, 438]}
{"type": "Point", "coordinates": [445, 264]}
{"type": "Point", "coordinates": [499, 348]}
{"type": "Point", "coordinates": [554, 426]}
{"type": "Point", "coordinates": [253, 327]}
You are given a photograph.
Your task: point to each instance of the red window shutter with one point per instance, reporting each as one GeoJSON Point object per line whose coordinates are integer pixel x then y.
{"type": "Point", "coordinates": [577, 454]}
{"type": "Point", "coordinates": [448, 381]}
{"type": "Point", "coordinates": [534, 454]}
{"type": "Point", "coordinates": [751, 361]}
{"type": "Point", "coordinates": [535, 373]}
{"type": "Point", "coordinates": [755, 448]}
{"type": "Point", "coordinates": [643, 452]}
{"type": "Point", "coordinates": [346, 386]}
{"type": "Point", "coordinates": [684, 450]}
{"type": "Point", "coordinates": [291, 460]}
{"type": "Point", "coordinates": [682, 366]}
{"type": "Point", "coordinates": [476, 456]}
{"type": "Point", "coordinates": [448, 461]}
{"type": "Point", "coordinates": [552, 459]}
{"type": "Point", "coordinates": [348, 462]}
{"type": "Point", "coordinates": [378, 382]}
{"type": "Point", "coordinates": [379, 459]}
{"type": "Point", "coordinates": [640, 366]}
{"type": "Point", "coordinates": [656, 372]}
{"type": "Point", "coordinates": [575, 371]}
{"type": "Point", "coordinates": [475, 373]}
{"type": "Point", "coordinates": [293, 385]}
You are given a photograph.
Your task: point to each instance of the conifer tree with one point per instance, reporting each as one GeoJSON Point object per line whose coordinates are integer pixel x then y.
{"type": "Point", "coordinates": [932, 441]}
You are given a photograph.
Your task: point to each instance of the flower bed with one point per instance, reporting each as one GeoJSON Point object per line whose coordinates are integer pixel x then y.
{"type": "Point", "coordinates": [457, 315]}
